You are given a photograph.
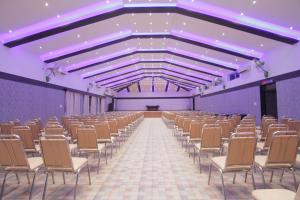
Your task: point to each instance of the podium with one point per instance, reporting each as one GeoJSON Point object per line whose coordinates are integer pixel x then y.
{"type": "Point", "coordinates": [152, 108]}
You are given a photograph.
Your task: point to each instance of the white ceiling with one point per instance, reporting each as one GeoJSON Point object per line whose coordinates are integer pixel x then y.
{"type": "Point", "coordinates": [17, 14]}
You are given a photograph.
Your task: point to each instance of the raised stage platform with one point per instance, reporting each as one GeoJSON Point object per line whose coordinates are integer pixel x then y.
{"type": "Point", "coordinates": [152, 114]}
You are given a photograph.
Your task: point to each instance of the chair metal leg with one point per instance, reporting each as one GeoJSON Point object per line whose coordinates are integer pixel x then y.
{"type": "Point", "coordinates": [64, 178]}
{"type": "Point", "coordinates": [253, 181]}
{"type": "Point", "coordinates": [53, 179]}
{"type": "Point", "coordinates": [105, 154]}
{"type": "Point", "coordinates": [17, 176]}
{"type": "Point", "coordinates": [89, 173]}
{"type": "Point", "coordinates": [75, 188]}
{"type": "Point", "coordinates": [223, 186]}
{"type": "Point", "coordinates": [271, 177]}
{"type": "Point", "coordinates": [246, 175]}
{"type": "Point", "coordinates": [32, 185]}
{"type": "Point", "coordinates": [281, 176]}
{"type": "Point", "coordinates": [262, 176]}
{"type": "Point", "coordinates": [28, 179]}
{"type": "Point", "coordinates": [45, 186]}
{"type": "Point", "coordinates": [111, 149]}
{"type": "Point", "coordinates": [234, 176]}
{"type": "Point", "coordinates": [200, 163]}
{"type": "Point", "coordinates": [194, 155]}
{"type": "Point", "coordinates": [99, 154]}
{"type": "Point", "coordinates": [3, 184]}
{"type": "Point", "coordinates": [209, 175]}
{"type": "Point", "coordinates": [294, 177]}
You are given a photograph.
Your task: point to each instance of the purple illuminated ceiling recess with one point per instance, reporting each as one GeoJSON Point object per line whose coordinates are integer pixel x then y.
{"type": "Point", "coordinates": [64, 19]}
{"type": "Point", "coordinates": [108, 6]}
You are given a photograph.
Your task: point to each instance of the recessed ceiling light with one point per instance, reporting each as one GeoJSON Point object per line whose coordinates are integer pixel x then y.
{"type": "Point", "coordinates": [78, 35]}
{"type": "Point", "coordinates": [181, 31]}
{"type": "Point", "coordinates": [236, 60]}
{"type": "Point", "coordinates": [151, 30]}
{"type": "Point", "coordinates": [261, 45]}
{"type": "Point", "coordinates": [41, 47]}
{"type": "Point", "coordinates": [132, 14]}
{"type": "Point", "coordinates": [184, 23]}
{"type": "Point", "coordinates": [10, 31]}
{"type": "Point", "coordinates": [46, 4]}
{"type": "Point", "coordinates": [136, 31]}
{"type": "Point", "coordinates": [150, 14]}
{"type": "Point", "coordinates": [150, 23]}
{"type": "Point", "coordinates": [134, 23]}
{"type": "Point", "coordinates": [291, 28]}
{"type": "Point", "coordinates": [107, 1]}
{"type": "Point", "coordinates": [168, 14]}
{"type": "Point", "coordinates": [242, 13]}
{"type": "Point", "coordinates": [117, 24]}
{"type": "Point", "coordinates": [223, 34]}
{"type": "Point", "coordinates": [58, 16]}
{"type": "Point", "coordinates": [193, 1]}
{"type": "Point", "coordinates": [253, 2]}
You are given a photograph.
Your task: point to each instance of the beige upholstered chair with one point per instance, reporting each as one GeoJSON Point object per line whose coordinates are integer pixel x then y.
{"type": "Point", "coordinates": [211, 141]}
{"type": "Point", "coordinates": [87, 142]}
{"type": "Point", "coordinates": [240, 157]}
{"type": "Point", "coordinates": [57, 157]}
{"type": "Point", "coordinates": [276, 194]}
{"type": "Point", "coordinates": [195, 134]}
{"type": "Point", "coordinates": [14, 159]}
{"type": "Point", "coordinates": [281, 155]}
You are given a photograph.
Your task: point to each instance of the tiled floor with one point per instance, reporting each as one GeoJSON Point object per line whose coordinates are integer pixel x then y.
{"type": "Point", "coordinates": [150, 165]}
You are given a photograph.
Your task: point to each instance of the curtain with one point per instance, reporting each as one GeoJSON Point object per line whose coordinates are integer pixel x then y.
{"type": "Point", "coordinates": [86, 105]}
{"type": "Point", "coordinates": [93, 105]}
{"type": "Point", "coordinates": [69, 103]}
{"type": "Point", "coordinates": [77, 102]}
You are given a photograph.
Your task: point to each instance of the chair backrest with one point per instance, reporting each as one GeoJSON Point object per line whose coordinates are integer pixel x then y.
{"type": "Point", "coordinates": [86, 138]}
{"type": "Point", "coordinates": [35, 129]}
{"type": "Point", "coordinates": [56, 152]}
{"type": "Point", "coordinates": [211, 136]}
{"type": "Point", "coordinates": [283, 148]}
{"type": "Point", "coordinates": [113, 126]}
{"type": "Point", "coordinates": [294, 125]}
{"type": "Point", "coordinates": [186, 124]}
{"type": "Point", "coordinates": [210, 120]}
{"type": "Point", "coordinates": [26, 136]}
{"type": "Point", "coordinates": [73, 129]}
{"type": "Point", "coordinates": [241, 150]}
{"type": "Point", "coordinates": [196, 129]}
{"type": "Point", "coordinates": [6, 128]}
{"type": "Point", "coordinates": [102, 130]}
{"type": "Point", "coordinates": [265, 126]}
{"type": "Point", "coordinates": [271, 130]}
{"type": "Point", "coordinates": [250, 129]}
{"type": "Point", "coordinates": [56, 130]}
{"type": "Point", "coordinates": [12, 153]}
{"type": "Point", "coordinates": [226, 128]}
{"type": "Point", "coordinates": [297, 197]}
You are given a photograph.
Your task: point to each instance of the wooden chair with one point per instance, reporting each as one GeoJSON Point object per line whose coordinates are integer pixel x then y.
{"type": "Point", "coordinates": [211, 141]}
{"type": "Point", "coordinates": [281, 154]}
{"type": "Point", "coordinates": [240, 157]}
{"type": "Point", "coordinates": [87, 142]}
{"type": "Point", "coordinates": [14, 159]}
{"type": "Point", "coordinates": [104, 137]}
{"type": "Point", "coordinates": [57, 158]}
{"type": "Point", "coordinates": [6, 128]}
{"type": "Point", "coordinates": [26, 136]}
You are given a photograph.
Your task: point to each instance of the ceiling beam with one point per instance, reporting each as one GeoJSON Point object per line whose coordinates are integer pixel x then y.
{"type": "Point", "coordinates": [163, 69]}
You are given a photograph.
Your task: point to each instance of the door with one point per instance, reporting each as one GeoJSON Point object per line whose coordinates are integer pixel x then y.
{"type": "Point", "coordinates": [268, 97]}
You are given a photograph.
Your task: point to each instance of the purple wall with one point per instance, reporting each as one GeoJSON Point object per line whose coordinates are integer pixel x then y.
{"type": "Point", "coordinates": [288, 98]}
{"type": "Point", "coordinates": [243, 101]}
{"type": "Point", "coordinates": [25, 101]}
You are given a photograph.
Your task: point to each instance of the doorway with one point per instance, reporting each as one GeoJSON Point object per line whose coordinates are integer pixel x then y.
{"type": "Point", "coordinates": [268, 98]}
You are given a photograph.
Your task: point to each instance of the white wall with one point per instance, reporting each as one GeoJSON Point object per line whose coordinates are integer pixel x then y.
{"type": "Point", "coordinates": [18, 62]}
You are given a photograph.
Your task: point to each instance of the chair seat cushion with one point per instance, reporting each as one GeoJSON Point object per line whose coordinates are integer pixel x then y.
{"type": "Point", "coordinates": [78, 163]}
{"type": "Point", "coordinates": [219, 161]}
{"type": "Point", "coordinates": [273, 194]}
{"type": "Point", "coordinates": [261, 161]}
{"type": "Point", "coordinates": [35, 162]}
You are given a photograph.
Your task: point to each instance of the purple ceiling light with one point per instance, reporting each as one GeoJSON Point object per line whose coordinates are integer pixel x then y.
{"type": "Point", "coordinates": [203, 57]}
{"type": "Point", "coordinates": [218, 12]}
{"type": "Point", "coordinates": [98, 59]}
{"type": "Point", "coordinates": [218, 44]}
{"type": "Point", "coordinates": [65, 19]}
{"type": "Point", "coordinates": [86, 45]}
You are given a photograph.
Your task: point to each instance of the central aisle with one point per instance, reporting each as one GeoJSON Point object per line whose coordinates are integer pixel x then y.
{"type": "Point", "coordinates": [154, 166]}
